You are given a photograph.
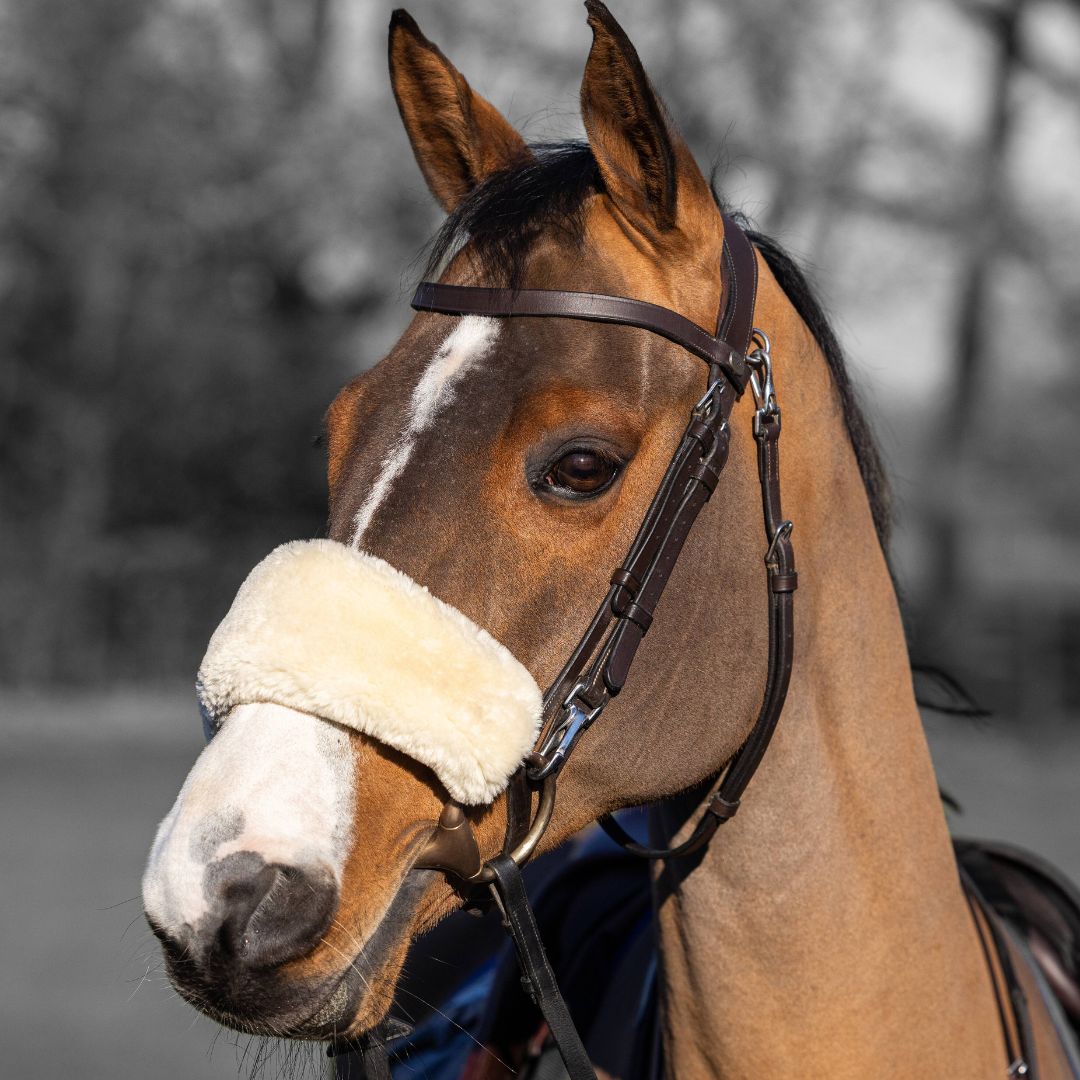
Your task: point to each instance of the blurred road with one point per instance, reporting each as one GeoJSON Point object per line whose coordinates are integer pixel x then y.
{"type": "Point", "coordinates": [83, 783]}
{"type": "Point", "coordinates": [81, 990]}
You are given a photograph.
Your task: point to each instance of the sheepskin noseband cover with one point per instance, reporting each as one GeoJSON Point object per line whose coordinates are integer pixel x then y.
{"type": "Point", "coordinates": [342, 635]}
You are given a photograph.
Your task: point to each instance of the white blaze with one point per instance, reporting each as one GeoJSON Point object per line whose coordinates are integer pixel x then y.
{"type": "Point", "coordinates": [467, 344]}
{"type": "Point", "coordinates": [275, 782]}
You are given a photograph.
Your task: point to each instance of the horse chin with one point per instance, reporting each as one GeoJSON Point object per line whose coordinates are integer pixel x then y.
{"type": "Point", "coordinates": [293, 1008]}
{"type": "Point", "coordinates": [289, 1002]}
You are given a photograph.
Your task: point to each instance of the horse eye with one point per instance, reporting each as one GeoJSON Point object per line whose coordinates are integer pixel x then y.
{"type": "Point", "coordinates": [581, 472]}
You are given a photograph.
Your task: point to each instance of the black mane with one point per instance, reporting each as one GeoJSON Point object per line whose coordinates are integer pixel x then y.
{"type": "Point", "coordinates": [503, 217]}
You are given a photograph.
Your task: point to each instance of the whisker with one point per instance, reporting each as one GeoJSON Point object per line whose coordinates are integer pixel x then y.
{"type": "Point", "coordinates": [451, 1020]}
{"type": "Point", "coordinates": [120, 903]}
{"type": "Point", "coordinates": [145, 976]}
{"type": "Point", "coordinates": [130, 924]}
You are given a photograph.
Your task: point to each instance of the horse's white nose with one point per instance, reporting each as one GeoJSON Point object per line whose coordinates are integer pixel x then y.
{"type": "Point", "coordinates": [248, 862]}
{"type": "Point", "coordinates": [259, 916]}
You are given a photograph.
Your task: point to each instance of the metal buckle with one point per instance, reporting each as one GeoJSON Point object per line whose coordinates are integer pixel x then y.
{"type": "Point", "coordinates": [565, 734]}
{"type": "Point", "coordinates": [761, 378]}
{"type": "Point", "coordinates": [783, 529]}
{"type": "Point", "coordinates": [707, 399]}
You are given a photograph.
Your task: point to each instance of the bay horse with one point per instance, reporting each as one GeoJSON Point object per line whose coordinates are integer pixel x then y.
{"type": "Point", "coordinates": [502, 466]}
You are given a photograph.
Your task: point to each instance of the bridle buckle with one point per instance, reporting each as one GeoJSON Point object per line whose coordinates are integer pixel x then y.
{"type": "Point", "coordinates": [565, 734]}
{"type": "Point", "coordinates": [707, 402]}
{"type": "Point", "coordinates": [759, 360]}
{"type": "Point", "coordinates": [782, 530]}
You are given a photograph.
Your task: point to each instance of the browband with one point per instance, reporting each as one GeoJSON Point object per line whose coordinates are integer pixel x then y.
{"type": "Point", "coordinates": [597, 307]}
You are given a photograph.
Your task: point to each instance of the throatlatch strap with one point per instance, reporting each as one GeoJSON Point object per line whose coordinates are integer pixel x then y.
{"type": "Point", "coordinates": [538, 977]}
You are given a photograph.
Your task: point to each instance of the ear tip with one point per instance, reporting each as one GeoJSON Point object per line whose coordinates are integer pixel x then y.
{"type": "Point", "coordinates": [401, 19]}
{"type": "Point", "coordinates": [598, 14]}
{"type": "Point", "coordinates": [602, 21]}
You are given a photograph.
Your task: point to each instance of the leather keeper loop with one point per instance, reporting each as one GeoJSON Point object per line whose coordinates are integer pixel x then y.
{"type": "Point", "coordinates": [637, 615]}
{"type": "Point", "coordinates": [708, 474]}
{"type": "Point", "coordinates": [624, 645]}
{"type": "Point", "coordinates": [781, 583]}
{"type": "Point", "coordinates": [702, 434]}
{"type": "Point", "coordinates": [622, 577]}
{"type": "Point", "coordinates": [721, 808]}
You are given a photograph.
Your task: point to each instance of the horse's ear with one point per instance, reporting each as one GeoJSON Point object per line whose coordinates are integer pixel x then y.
{"type": "Point", "coordinates": [648, 170]}
{"type": "Point", "coordinates": [459, 138]}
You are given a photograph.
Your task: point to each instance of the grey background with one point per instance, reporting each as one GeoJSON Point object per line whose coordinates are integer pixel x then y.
{"type": "Point", "coordinates": [210, 219]}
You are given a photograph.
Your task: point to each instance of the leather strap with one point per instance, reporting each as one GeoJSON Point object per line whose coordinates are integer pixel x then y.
{"type": "Point", "coordinates": [782, 580]}
{"type": "Point", "coordinates": [725, 352]}
{"type": "Point", "coordinates": [518, 809]}
{"type": "Point", "coordinates": [593, 307]}
{"type": "Point", "coordinates": [376, 1063]}
{"type": "Point", "coordinates": [686, 487]}
{"type": "Point", "coordinates": [984, 893]}
{"type": "Point", "coordinates": [537, 976]}
{"type": "Point", "coordinates": [371, 1049]}
{"type": "Point", "coordinates": [739, 275]}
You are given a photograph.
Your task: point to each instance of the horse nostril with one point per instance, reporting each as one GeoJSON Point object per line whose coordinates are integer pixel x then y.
{"type": "Point", "coordinates": [265, 914]}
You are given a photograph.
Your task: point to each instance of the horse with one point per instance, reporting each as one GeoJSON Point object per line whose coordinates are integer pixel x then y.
{"type": "Point", "coordinates": [487, 473]}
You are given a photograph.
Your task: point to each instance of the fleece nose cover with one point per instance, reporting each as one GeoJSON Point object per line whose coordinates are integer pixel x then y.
{"type": "Point", "coordinates": [328, 630]}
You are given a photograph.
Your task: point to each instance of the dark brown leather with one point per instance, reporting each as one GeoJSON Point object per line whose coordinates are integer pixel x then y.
{"type": "Point", "coordinates": [594, 307]}
{"type": "Point", "coordinates": [981, 888]}
{"type": "Point", "coordinates": [1039, 903]}
{"type": "Point", "coordinates": [740, 281]}
{"type": "Point", "coordinates": [518, 809]}
{"type": "Point", "coordinates": [538, 978]}
{"type": "Point", "coordinates": [782, 579]}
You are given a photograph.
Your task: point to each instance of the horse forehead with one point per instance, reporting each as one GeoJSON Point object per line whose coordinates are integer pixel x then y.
{"type": "Point", "coordinates": [449, 389]}
{"type": "Point", "coordinates": [466, 345]}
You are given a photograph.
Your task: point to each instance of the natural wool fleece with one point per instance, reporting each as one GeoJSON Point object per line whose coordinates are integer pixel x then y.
{"type": "Point", "coordinates": [338, 633]}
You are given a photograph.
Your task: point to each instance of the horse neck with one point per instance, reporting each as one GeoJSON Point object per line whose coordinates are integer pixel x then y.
{"type": "Point", "coordinates": [824, 932]}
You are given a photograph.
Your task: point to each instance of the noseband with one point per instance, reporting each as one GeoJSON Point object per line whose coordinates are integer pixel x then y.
{"type": "Point", "coordinates": [598, 667]}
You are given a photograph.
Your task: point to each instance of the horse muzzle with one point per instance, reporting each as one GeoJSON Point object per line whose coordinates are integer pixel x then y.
{"type": "Point", "coordinates": [245, 879]}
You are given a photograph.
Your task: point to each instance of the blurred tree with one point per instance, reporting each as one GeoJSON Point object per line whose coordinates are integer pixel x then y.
{"type": "Point", "coordinates": [154, 248]}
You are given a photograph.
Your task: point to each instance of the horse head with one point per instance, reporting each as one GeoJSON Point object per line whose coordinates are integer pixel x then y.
{"type": "Point", "coordinates": [484, 477]}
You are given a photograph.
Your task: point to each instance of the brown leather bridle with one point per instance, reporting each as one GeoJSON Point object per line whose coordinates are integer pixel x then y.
{"type": "Point", "coordinates": [597, 669]}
